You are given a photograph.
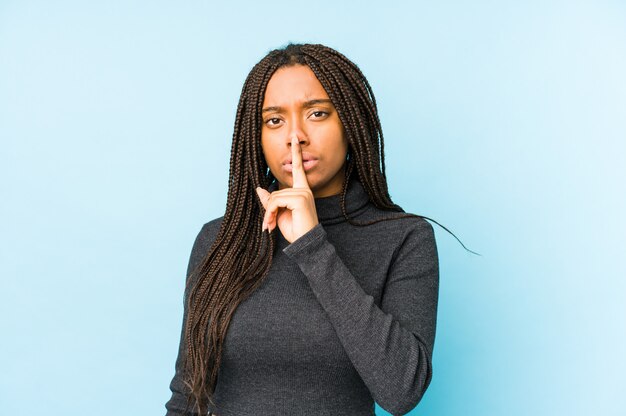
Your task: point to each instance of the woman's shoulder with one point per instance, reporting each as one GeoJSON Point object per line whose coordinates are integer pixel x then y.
{"type": "Point", "coordinates": [211, 227]}
{"type": "Point", "coordinates": [401, 222]}
{"type": "Point", "coordinates": [411, 237]}
{"type": "Point", "coordinates": [208, 232]}
{"type": "Point", "coordinates": [203, 242]}
{"type": "Point", "coordinates": [395, 229]}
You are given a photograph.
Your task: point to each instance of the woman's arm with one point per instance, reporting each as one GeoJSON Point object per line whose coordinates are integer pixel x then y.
{"type": "Point", "coordinates": [391, 346]}
{"type": "Point", "coordinates": [176, 404]}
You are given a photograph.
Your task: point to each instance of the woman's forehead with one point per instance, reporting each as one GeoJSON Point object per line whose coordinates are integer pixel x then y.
{"type": "Point", "coordinates": [291, 84]}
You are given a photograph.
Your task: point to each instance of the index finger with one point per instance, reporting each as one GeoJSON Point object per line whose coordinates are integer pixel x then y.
{"type": "Point", "coordinates": [297, 168]}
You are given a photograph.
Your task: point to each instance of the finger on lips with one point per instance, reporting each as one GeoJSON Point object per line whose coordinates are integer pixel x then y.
{"type": "Point", "coordinates": [299, 181]}
{"type": "Point", "coordinates": [297, 171]}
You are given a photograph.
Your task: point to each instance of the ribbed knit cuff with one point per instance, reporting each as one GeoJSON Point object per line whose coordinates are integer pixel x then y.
{"type": "Point", "coordinates": [313, 235]}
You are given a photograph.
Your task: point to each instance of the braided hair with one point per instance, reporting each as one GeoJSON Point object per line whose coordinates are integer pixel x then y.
{"type": "Point", "coordinates": [241, 255]}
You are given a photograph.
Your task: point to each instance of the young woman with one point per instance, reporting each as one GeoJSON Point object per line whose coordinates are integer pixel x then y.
{"type": "Point", "coordinates": [314, 294]}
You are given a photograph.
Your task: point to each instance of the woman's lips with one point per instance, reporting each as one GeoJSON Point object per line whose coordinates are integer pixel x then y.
{"type": "Point", "coordinates": [308, 165]}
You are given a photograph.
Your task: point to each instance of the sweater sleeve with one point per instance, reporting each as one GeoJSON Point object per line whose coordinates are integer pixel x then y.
{"type": "Point", "coordinates": [175, 406]}
{"type": "Point", "coordinates": [390, 346]}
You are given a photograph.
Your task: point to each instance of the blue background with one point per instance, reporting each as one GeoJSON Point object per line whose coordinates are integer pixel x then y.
{"type": "Point", "coordinates": [504, 121]}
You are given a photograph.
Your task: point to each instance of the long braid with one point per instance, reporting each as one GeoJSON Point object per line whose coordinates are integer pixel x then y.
{"type": "Point", "coordinates": [359, 132]}
{"type": "Point", "coordinates": [239, 259]}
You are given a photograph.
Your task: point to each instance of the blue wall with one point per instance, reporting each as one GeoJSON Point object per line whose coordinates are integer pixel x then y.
{"type": "Point", "coordinates": [504, 121]}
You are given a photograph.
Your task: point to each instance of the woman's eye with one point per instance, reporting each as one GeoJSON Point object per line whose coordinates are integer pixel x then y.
{"type": "Point", "coordinates": [319, 114]}
{"type": "Point", "coordinates": [272, 121]}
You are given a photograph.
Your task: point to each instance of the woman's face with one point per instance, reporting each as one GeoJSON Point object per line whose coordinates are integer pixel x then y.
{"type": "Point", "coordinates": [296, 103]}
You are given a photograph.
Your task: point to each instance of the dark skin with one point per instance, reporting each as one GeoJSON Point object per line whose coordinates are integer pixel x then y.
{"type": "Point", "coordinates": [300, 122]}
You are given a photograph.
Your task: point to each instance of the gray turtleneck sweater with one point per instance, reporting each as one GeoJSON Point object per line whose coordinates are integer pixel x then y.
{"type": "Point", "coordinates": [345, 317]}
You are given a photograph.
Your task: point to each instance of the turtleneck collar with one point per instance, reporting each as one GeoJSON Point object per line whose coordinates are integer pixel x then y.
{"type": "Point", "coordinates": [329, 208]}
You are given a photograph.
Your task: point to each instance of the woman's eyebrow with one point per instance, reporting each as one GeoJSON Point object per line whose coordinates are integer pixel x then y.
{"type": "Point", "coordinates": [306, 104]}
{"type": "Point", "coordinates": [311, 103]}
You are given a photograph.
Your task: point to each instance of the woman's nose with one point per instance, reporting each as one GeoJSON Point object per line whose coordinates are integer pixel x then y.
{"type": "Point", "coordinates": [296, 127]}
